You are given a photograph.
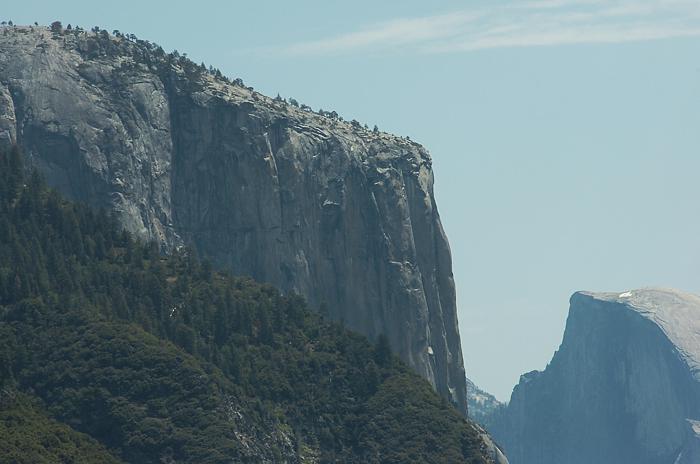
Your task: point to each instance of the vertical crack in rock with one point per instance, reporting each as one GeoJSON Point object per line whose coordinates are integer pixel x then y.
{"type": "Point", "coordinates": [312, 204]}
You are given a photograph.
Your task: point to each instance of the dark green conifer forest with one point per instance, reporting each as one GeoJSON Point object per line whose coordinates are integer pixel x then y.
{"type": "Point", "coordinates": [111, 351]}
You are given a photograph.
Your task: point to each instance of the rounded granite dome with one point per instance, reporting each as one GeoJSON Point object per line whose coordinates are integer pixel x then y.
{"type": "Point", "coordinates": [676, 313]}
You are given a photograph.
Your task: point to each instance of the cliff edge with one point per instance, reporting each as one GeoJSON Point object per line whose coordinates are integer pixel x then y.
{"type": "Point", "coordinates": [623, 388]}
{"type": "Point", "coordinates": [310, 203]}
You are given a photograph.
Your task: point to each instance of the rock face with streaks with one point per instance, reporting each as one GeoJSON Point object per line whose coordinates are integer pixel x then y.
{"type": "Point", "coordinates": [305, 201]}
{"type": "Point", "coordinates": [623, 388]}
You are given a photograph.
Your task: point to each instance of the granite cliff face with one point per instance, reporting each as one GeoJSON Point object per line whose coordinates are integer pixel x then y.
{"type": "Point", "coordinates": [307, 202]}
{"type": "Point", "coordinates": [623, 388]}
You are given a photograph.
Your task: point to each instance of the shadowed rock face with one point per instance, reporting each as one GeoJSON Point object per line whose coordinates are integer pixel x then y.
{"type": "Point", "coordinates": [483, 406]}
{"type": "Point", "coordinates": [339, 214]}
{"type": "Point", "coordinates": [623, 388]}
{"type": "Point", "coordinates": [691, 451]}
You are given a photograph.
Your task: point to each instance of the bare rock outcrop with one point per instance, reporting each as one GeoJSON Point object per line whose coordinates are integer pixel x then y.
{"type": "Point", "coordinates": [310, 203]}
{"type": "Point", "coordinates": [623, 388]}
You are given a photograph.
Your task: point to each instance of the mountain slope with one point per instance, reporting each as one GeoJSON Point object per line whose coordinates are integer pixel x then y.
{"type": "Point", "coordinates": [29, 436]}
{"type": "Point", "coordinates": [312, 204]}
{"type": "Point", "coordinates": [483, 406]}
{"type": "Point", "coordinates": [160, 359]}
{"type": "Point", "coordinates": [623, 388]}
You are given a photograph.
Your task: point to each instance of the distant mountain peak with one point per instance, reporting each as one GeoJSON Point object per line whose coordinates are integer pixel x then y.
{"type": "Point", "coordinates": [624, 386]}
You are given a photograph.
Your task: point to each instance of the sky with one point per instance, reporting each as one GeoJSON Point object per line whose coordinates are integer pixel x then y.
{"type": "Point", "coordinates": [565, 134]}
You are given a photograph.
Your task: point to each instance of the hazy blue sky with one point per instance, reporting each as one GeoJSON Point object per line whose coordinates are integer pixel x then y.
{"type": "Point", "coordinates": [565, 134]}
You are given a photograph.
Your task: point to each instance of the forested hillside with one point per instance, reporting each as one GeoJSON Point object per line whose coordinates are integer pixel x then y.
{"type": "Point", "coordinates": [303, 200]}
{"type": "Point", "coordinates": [113, 352]}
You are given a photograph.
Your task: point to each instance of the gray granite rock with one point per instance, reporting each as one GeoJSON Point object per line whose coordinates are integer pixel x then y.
{"type": "Point", "coordinates": [312, 204]}
{"type": "Point", "coordinates": [691, 451]}
{"type": "Point", "coordinates": [623, 388]}
{"type": "Point", "coordinates": [483, 406]}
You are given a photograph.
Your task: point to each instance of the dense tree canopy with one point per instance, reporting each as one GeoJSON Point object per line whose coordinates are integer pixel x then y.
{"type": "Point", "coordinates": [115, 348]}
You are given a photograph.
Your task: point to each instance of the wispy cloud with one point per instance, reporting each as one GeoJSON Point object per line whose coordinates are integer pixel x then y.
{"type": "Point", "coordinates": [519, 24]}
